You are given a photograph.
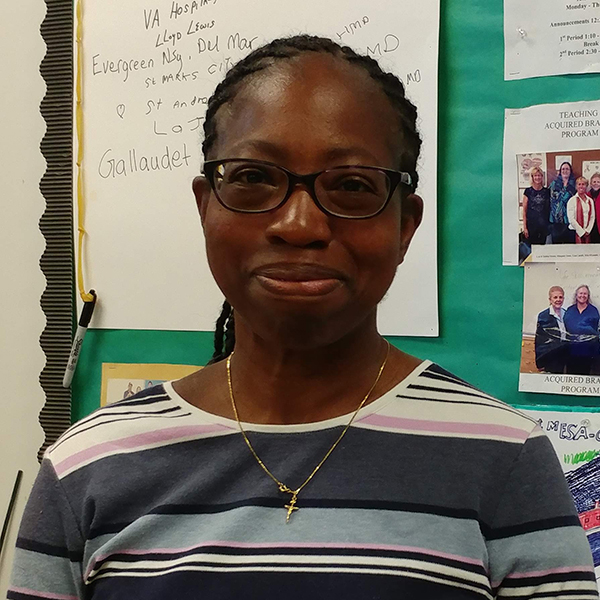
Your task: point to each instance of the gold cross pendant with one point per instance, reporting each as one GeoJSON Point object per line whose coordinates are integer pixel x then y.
{"type": "Point", "coordinates": [291, 506]}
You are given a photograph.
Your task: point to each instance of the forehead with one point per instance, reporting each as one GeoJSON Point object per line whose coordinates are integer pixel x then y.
{"type": "Point", "coordinates": [311, 101]}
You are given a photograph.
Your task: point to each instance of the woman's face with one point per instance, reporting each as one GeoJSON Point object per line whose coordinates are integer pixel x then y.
{"type": "Point", "coordinates": [595, 183]}
{"type": "Point", "coordinates": [565, 170]}
{"type": "Point", "coordinates": [582, 295]}
{"type": "Point", "coordinates": [581, 187]}
{"type": "Point", "coordinates": [557, 298]}
{"type": "Point", "coordinates": [296, 274]}
{"type": "Point", "coordinates": [537, 178]}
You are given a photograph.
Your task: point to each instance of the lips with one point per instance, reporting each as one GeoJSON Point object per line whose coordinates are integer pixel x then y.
{"type": "Point", "coordinates": [299, 279]}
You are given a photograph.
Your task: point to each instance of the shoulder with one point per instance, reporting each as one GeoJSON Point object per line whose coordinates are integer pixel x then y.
{"type": "Point", "coordinates": [436, 403]}
{"type": "Point", "coordinates": [150, 419]}
{"type": "Point", "coordinates": [545, 314]}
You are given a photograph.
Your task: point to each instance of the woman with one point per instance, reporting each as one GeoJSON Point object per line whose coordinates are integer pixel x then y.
{"type": "Point", "coordinates": [311, 459]}
{"type": "Point", "coordinates": [551, 334]}
{"type": "Point", "coordinates": [582, 320]}
{"type": "Point", "coordinates": [594, 194]}
{"type": "Point", "coordinates": [536, 209]}
{"type": "Point", "coordinates": [561, 190]}
{"type": "Point", "coordinates": [581, 212]}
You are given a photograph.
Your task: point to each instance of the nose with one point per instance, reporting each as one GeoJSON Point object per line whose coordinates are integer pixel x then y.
{"type": "Point", "coordinates": [300, 222]}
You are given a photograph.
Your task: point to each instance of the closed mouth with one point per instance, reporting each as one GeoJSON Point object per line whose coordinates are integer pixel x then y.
{"type": "Point", "coordinates": [299, 279]}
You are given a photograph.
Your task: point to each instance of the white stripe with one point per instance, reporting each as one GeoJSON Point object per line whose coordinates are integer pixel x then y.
{"type": "Point", "coordinates": [444, 390]}
{"type": "Point", "coordinates": [376, 562]}
{"type": "Point", "coordinates": [444, 411]}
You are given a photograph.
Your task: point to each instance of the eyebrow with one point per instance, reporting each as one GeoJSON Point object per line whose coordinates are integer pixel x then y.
{"type": "Point", "coordinates": [274, 150]}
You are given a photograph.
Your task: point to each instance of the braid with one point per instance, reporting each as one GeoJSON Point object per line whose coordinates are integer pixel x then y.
{"type": "Point", "coordinates": [287, 48]}
{"type": "Point", "coordinates": [223, 333]}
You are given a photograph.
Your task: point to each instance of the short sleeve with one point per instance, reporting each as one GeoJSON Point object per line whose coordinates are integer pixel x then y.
{"type": "Point", "coordinates": [536, 546]}
{"type": "Point", "coordinates": [49, 552]}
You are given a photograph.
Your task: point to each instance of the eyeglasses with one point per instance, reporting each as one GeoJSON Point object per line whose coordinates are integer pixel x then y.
{"type": "Point", "coordinates": [256, 186]}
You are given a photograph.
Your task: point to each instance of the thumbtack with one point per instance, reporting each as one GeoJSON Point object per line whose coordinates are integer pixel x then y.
{"type": "Point", "coordinates": [522, 32]}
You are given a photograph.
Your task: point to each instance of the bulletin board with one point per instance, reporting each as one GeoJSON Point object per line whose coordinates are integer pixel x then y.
{"type": "Point", "coordinates": [480, 301]}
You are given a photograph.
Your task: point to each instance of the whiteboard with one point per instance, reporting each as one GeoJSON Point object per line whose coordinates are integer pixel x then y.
{"type": "Point", "coordinates": [148, 71]}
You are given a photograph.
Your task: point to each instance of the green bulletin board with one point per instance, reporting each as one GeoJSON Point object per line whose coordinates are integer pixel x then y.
{"type": "Point", "coordinates": [480, 300]}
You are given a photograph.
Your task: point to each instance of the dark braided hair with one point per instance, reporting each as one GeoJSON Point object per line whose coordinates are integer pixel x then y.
{"type": "Point", "coordinates": [285, 49]}
{"type": "Point", "coordinates": [224, 334]}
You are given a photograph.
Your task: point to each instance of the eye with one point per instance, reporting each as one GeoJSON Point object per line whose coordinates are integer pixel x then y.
{"type": "Point", "coordinates": [250, 175]}
{"type": "Point", "coordinates": [354, 184]}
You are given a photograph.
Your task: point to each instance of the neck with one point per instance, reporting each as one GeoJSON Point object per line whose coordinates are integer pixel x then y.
{"type": "Point", "coordinates": [277, 383]}
{"type": "Point", "coordinates": [581, 307]}
{"type": "Point", "coordinates": [565, 180]}
{"type": "Point", "coordinates": [282, 385]}
{"type": "Point", "coordinates": [537, 186]}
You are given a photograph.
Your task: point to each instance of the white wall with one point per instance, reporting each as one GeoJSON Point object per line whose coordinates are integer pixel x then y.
{"type": "Point", "coordinates": [21, 244]}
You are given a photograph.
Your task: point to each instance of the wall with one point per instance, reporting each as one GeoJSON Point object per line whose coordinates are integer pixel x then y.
{"type": "Point", "coordinates": [21, 244]}
{"type": "Point", "coordinates": [481, 302]}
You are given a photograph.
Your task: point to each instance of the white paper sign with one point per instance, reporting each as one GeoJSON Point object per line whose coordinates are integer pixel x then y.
{"type": "Point", "coordinates": [576, 439]}
{"type": "Point", "coordinates": [542, 129]}
{"type": "Point", "coordinates": [149, 68]}
{"type": "Point", "coordinates": [551, 37]}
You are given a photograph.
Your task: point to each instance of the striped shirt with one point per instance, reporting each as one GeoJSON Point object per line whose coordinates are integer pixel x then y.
{"type": "Point", "coordinates": [437, 491]}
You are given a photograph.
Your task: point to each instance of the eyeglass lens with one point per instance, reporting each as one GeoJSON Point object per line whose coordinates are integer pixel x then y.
{"type": "Point", "coordinates": [345, 191]}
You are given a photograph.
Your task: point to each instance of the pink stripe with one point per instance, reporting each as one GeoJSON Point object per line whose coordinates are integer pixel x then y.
{"type": "Point", "coordinates": [273, 545]}
{"type": "Point", "coordinates": [135, 441]}
{"type": "Point", "coordinates": [37, 594]}
{"type": "Point", "coordinates": [445, 426]}
{"type": "Point", "coordinates": [576, 569]}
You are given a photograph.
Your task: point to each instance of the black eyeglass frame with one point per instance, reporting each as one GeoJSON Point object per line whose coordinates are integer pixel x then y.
{"type": "Point", "coordinates": [395, 178]}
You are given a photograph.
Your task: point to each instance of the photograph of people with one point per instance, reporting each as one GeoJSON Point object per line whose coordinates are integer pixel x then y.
{"type": "Point", "coordinates": [551, 335]}
{"type": "Point", "coordinates": [594, 193]}
{"type": "Point", "coordinates": [581, 321]}
{"type": "Point", "coordinates": [580, 210]}
{"type": "Point", "coordinates": [310, 458]}
{"type": "Point", "coordinates": [562, 189]}
{"type": "Point", "coordinates": [536, 209]}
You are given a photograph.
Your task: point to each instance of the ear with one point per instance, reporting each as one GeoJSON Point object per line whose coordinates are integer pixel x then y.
{"type": "Point", "coordinates": [202, 190]}
{"type": "Point", "coordinates": [412, 214]}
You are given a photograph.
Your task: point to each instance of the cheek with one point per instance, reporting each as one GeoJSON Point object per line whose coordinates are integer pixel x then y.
{"type": "Point", "coordinates": [224, 239]}
{"type": "Point", "coordinates": [376, 252]}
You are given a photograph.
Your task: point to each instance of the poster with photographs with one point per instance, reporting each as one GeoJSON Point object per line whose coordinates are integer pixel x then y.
{"type": "Point", "coordinates": [561, 345]}
{"type": "Point", "coordinates": [546, 136]}
{"type": "Point", "coordinates": [121, 381]}
{"type": "Point", "coordinates": [576, 439]}
{"type": "Point", "coordinates": [559, 205]}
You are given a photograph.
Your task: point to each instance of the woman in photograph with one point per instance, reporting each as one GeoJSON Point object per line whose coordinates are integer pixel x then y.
{"type": "Point", "coordinates": [582, 320]}
{"type": "Point", "coordinates": [551, 334]}
{"type": "Point", "coordinates": [562, 189]}
{"type": "Point", "coordinates": [594, 193]}
{"type": "Point", "coordinates": [536, 209]}
{"type": "Point", "coordinates": [581, 212]}
{"type": "Point", "coordinates": [311, 458]}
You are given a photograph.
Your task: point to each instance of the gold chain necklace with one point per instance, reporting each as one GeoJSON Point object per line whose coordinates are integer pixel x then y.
{"type": "Point", "coordinates": [291, 507]}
